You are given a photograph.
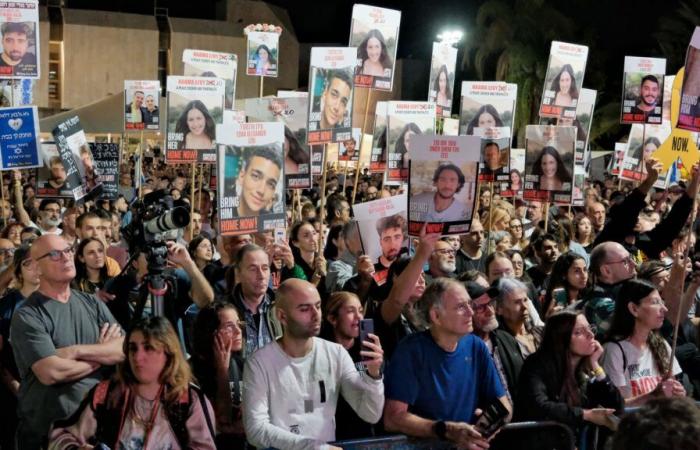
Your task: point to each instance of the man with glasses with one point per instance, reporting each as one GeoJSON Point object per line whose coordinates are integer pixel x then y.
{"type": "Point", "coordinates": [441, 263]}
{"type": "Point", "coordinates": [60, 337]}
{"type": "Point", "coordinates": [49, 215]}
{"type": "Point", "coordinates": [610, 265]}
{"type": "Point", "coordinates": [438, 377]}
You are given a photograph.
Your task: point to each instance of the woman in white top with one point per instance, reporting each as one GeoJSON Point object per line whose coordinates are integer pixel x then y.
{"type": "Point", "coordinates": [637, 357]}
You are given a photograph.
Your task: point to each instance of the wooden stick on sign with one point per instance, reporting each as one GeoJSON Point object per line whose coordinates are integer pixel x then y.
{"type": "Point", "coordinates": [194, 169]}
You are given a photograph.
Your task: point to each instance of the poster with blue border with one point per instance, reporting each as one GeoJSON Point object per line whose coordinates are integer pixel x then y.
{"type": "Point", "coordinates": [19, 138]}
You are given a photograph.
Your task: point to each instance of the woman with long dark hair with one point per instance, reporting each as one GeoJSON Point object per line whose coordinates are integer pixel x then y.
{"type": "Point", "coordinates": [551, 170]}
{"type": "Point", "coordinates": [403, 143]}
{"type": "Point", "coordinates": [441, 86]}
{"type": "Point", "coordinates": [303, 240]}
{"type": "Point", "coordinates": [197, 127]}
{"type": "Point", "coordinates": [374, 55]}
{"type": "Point", "coordinates": [485, 117]}
{"type": "Point", "coordinates": [637, 358]}
{"type": "Point", "coordinates": [567, 283]}
{"type": "Point", "coordinates": [90, 269]}
{"type": "Point", "coordinates": [563, 380]}
{"type": "Point", "coordinates": [564, 86]}
{"type": "Point", "coordinates": [264, 60]}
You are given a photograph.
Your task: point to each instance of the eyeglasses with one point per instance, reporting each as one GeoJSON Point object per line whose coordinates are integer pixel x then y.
{"type": "Point", "coordinates": [480, 308]}
{"type": "Point", "coordinates": [627, 262]}
{"type": "Point", "coordinates": [516, 226]}
{"type": "Point", "coordinates": [55, 255]}
{"type": "Point", "coordinates": [445, 252]}
{"type": "Point", "coordinates": [8, 251]}
{"type": "Point", "coordinates": [583, 331]}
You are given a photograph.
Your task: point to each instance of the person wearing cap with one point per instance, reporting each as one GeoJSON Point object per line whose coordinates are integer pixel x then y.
{"type": "Point", "coordinates": [502, 345]}
{"type": "Point", "coordinates": [657, 272]}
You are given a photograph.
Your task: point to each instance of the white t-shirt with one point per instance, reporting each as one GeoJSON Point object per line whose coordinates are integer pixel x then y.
{"type": "Point", "coordinates": [641, 376]}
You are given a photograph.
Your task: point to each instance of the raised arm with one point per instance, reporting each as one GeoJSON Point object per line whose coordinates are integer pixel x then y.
{"type": "Point", "coordinates": [22, 215]}
{"type": "Point", "coordinates": [201, 292]}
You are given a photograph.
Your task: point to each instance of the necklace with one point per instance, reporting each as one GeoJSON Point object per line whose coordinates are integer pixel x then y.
{"type": "Point", "coordinates": [138, 419]}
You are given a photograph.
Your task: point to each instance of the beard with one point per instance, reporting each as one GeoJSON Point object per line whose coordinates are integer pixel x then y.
{"type": "Point", "coordinates": [447, 266]}
{"type": "Point", "coordinates": [50, 223]}
{"type": "Point", "coordinates": [490, 326]}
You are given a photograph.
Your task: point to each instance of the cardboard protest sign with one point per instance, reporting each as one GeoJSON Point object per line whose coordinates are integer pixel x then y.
{"type": "Point", "coordinates": [282, 93]}
{"type": "Point", "coordinates": [106, 156]}
{"type": "Point", "coordinates": [377, 162]}
{"type": "Point", "coordinates": [19, 43]}
{"type": "Point", "coordinates": [450, 126]}
{"type": "Point", "coordinates": [618, 158]}
{"type": "Point", "coordinates": [564, 80]}
{"type": "Point", "coordinates": [141, 105]}
{"type": "Point", "coordinates": [349, 149]}
{"type": "Point", "coordinates": [375, 33]}
{"type": "Point", "coordinates": [514, 186]}
{"type": "Point", "coordinates": [495, 153]}
{"type": "Point", "coordinates": [577, 198]}
{"type": "Point", "coordinates": [442, 77]}
{"type": "Point", "coordinates": [689, 115]}
{"type": "Point", "coordinates": [263, 54]}
{"type": "Point", "coordinates": [406, 120]}
{"type": "Point", "coordinates": [195, 107]}
{"type": "Point", "coordinates": [204, 63]}
{"type": "Point", "coordinates": [19, 138]}
{"type": "Point", "coordinates": [331, 91]}
{"type": "Point", "coordinates": [642, 90]}
{"type": "Point", "coordinates": [51, 178]}
{"type": "Point", "coordinates": [251, 177]}
{"type": "Point", "coordinates": [668, 88]}
{"type": "Point", "coordinates": [635, 155]}
{"type": "Point", "coordinates": [77, 158]}
{"type": "Point", "coordinates": [292, 113]}
{"type": "Point", "coordinates": [549, 163]}
{"type": "Point", "coordinates": [16, 92]}
{"type": "Point", "coordinates": [317, 158]}
{"type": "Point", "coordinates": [487, 104]}
{"type": "Point", "coordinates": [442, 183]}
{"type": "Point", "coordinates": [233, 116]}
{"type": "Point", "coordinates": [384, 232]}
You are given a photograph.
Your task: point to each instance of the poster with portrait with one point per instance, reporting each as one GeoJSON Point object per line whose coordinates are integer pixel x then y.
{"type": "Point", "coordinates": [106, 156]}
{"type": "Point", "coordinates": [51, 175]}
{"type": "Point", "coordinates": [377, 162]}
{"type": "Point", "coordinates": [582, 122]}
{"type": "Point", "coordinates": [653, 137]}
{"type": "Point", "coordinates": [405, 120]}
{"type": "Point", "coordinates": [689, 115]}
{"type": "Point", "coordinates": [349, 149]}
{"type": "Point", "coordinates": [19, 39]}
{"type": "Point", "coordinates": [549, 163]}
{"type": "Point", "coordinates": [487, 104]}
{"type": "Point", "coordinates": [668, 88]}
{"type": "Point", "coordinates": [618, 158]}
{"type": "Point", "coordinates": [331, 90]}
{"type": "Point", "coordinates": [633, 162]}
{"type": "Point", "coordinates": [514, 186]}
{"type": "Point", "coordinates": [564, 80]}
{"type": "Point", "coordinates": [19, 138]}
{"type": "Point", "coordinates": [204, 63]}
{"type": "Point", "coordinates": [317, 157]}
{"type": "Point", "coordinates": [442, 77]}
{"type": "Point", "coordinates": [450, 126]}
{"type": "Point", "coordinates": [442, 183]}
{"type": "Point", "coordinates": [291, 112]}
{"type": "Point", "coordinates": [251, 177]}
{"type": "Point", "coordinates": [495, 154]}
{"type": "Point", "coordinates": [77, 159]}
{"type": "Point", "coordinates": [16, 92]}
{"type": "Point", "coordinates": [577, 197]}
{"type": "Point", "coordinates": [141, 105]}
{"type": "Point", "coordinates": [642, 90]}
{"type": "Point", "coordinates": [383, 228]}
{"type": "Point", "coordinates": [374, 32]}
{"type": "Point", "coordinates": [195, 107]}
{"type": "Point", "coordinates": [263, 54]}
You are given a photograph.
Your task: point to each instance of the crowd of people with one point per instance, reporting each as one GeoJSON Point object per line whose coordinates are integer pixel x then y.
{"type": "Point", "coordinates": [541, 312]}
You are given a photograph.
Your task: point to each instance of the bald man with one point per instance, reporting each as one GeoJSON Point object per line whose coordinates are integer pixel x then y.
{"type": "Point", "coordinates": [60, 338]}
{"type": "Point", "coordinates": [305, 375]}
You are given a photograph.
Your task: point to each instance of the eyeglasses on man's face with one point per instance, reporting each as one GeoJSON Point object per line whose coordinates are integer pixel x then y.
{"type": "Point", "coordinates": [55, 255]}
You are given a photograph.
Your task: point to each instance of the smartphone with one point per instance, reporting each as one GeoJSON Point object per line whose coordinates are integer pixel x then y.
{"type": "Point", "coordinates": [366, 328]}
{"type": "Point", "coordinates": [492, 419]}
{"type": "Point", "coordinates": [280, 235]}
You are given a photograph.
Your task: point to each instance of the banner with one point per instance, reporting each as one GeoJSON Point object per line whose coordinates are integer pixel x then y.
{"type": "Point", "coordinates": [375, 33]}
{"type": "Point", "coordinates": [642, 90]}
{"type": "Point", "coordinates": [77, 158]}
{"type": "Point", "coordinates": [141, 105]}
{"type": "Point", "coordinates": [330, 106]}
{"type": "Point", "coordinates": [405, 121]}
{"type": "Point", "coordinates": [106, 156]}
{"type": "Point", "coordinates": [195, 107]}
{"type": "Point", "coordinates": [204, 63]}
{"type": "Point", "coordinates": [19, 138]}
{"type": "Point", "coordinates": [487, 104]}
{"type": "Point", "coordinates": [564, 80]}
{"type": "Point", "coordinates": [377, 162]}
{"type": "Point", "coordinates": [263, 54]}
{"type": "Point", "coordinates": [442, 183]}
{"type": "Point", "coordinates": [292, 113]}
{"type": "Point", "coordinates": [19, 27]}
{"type": "Point", "coordinates": [549, 163]}
{"type": "Point", "coordinates": [442, 77]}
{"type": "Point", "coordinates": [251, 177]}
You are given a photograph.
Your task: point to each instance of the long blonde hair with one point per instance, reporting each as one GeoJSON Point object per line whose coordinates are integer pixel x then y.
{"type": "Point", "coordinates": [176, 374]}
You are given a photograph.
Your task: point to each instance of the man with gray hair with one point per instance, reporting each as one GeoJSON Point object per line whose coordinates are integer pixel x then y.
{"type": "Point", "coordinates": [438, 377]}
{"type": "Point", "coordinates": [442, 262]}
{"type": "Point", "coordinates": [352, 271]}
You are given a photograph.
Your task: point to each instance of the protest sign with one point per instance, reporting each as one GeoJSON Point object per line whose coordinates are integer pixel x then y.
{"type": "Point", "coordinates": [514, 186]}
{"type": "Point", "coordinates": [689, 113]}
{"type": "Point", "coordinates": [405, 121]}
{"type": "Point", "coordinates": [442, 77]}
{"type": "Point", "coordinates": [487, 104]}
{"type": "Point", "coordinates": [77, 158]}
{"type": "Point", "coordinates": [251, 177]}
{"type": "Point", "coordinates": [263, 54]}
{"type": "Point", "coordinates": [19, 43]}
{"type": "Point", "coordinates": [51, 178]}
{"type": "Point", "coordinates": [141, 105]}
{"type": "Point", "coordinates": [106, 156]}
{"type": "Point", "coordinates": [349, 149]}
{"type": "Point", "coordinates": [195, 107]}
{"type": "Point", "coordinates": [495, 153]}
{"type": "Point", "coordinates": [19, 138]}
{"type": "Point", "coordinates": [642, 90]}
{"type": "Point", "coordinates": [204, 63]}
{"type": "Point", "coordinates": [377, 162]}
{"type": "Point", "coordinates": [442, 183]}
{"type": "Point", "coordinates": [331, 91]}
{"type": "Point", "coordinates": [549, 163]}
{"type": "Point", "coordinates": [564, 80]}
{"type": "Point", "coordinates": [375, 33]}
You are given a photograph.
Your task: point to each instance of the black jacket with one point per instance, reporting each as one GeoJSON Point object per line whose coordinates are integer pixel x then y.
{"type": "Point", "coordinates": [508, 351]}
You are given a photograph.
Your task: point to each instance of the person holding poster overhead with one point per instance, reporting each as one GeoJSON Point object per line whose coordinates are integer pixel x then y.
{"type": "Point", "coordinates": [551, 170]}
{"type": "Point", "coordinates": [197, 127]}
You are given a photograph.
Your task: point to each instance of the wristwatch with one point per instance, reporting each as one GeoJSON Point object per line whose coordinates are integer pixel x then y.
{"type": "Point", "coordinates": [440, 429]}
